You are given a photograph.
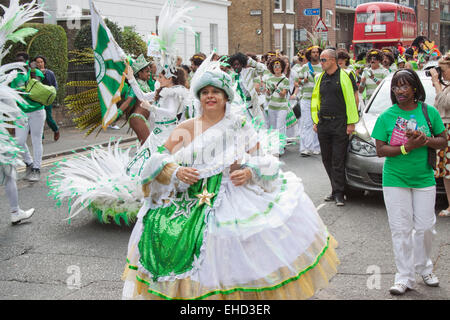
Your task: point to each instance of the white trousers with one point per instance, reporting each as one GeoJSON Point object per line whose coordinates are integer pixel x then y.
{"type": "Point", "coordinates": [308, 138]}
{"type": "Point", "coordinates": [277, 120]}
{"type": "Point", "coordinates": [8, 178]}
{"type": "Point", "coordinates": [34, 126]}
{"type": "Point", "coordinates": [411, 219]}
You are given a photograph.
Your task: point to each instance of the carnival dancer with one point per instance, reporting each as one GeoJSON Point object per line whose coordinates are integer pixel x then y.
{"type": "Point", "coordinates": [166, 105]}
{"type": "Point", "coordinates": [247, 70]}
{"type": "Point", "coordinates": [309, 142]}
{"type": "Point", "coordinates": [277, 89]}
{"type": "Point", "coordinates": [388, 60]}
{"type": "Point", "coordinates": [372, 76]}
{"type": "Point", "coordinates": [11, 117]}
{"type": "Point", "coordinates": [195, 240]}
{"type": "Point", "coordinates": [103, 182]}
{"type": "Point", "coordinates": [137, 116]}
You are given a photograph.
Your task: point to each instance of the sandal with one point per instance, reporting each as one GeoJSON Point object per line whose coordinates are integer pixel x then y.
{"type": "Point", "coordinates": [444, 213]}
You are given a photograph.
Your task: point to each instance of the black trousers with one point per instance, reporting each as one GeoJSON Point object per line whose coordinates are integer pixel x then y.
{"type": "Point", "coordinates": [333, 139]}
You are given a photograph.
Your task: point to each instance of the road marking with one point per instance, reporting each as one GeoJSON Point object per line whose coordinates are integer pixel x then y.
{"type": "Point", "coordinates": [321, 206]}
{"type": "Point", "coordinates": [49, 162]}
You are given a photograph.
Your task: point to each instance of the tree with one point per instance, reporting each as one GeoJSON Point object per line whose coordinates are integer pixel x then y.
{"type": "Point", "coordinates": [133, 44]}
{"type": "Point", "coordinates": [83, 39]}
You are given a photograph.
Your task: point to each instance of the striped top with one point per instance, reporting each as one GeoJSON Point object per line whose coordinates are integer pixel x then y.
{"type": "Point", "coordinates": [275, 101]}
{"type": "Point", "coordinates": [307, 88]}
{"type": "Point", "coordinates": [371, 85]}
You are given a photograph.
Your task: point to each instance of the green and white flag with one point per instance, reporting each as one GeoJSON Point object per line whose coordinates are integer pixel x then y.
{"type": "Point", "coordinates": [110, 64]}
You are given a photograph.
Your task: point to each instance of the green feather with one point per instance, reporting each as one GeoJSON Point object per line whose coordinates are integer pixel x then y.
{"type": "Point", "coordinates": [21, 34]}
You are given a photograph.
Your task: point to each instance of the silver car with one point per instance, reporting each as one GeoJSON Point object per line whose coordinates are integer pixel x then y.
{"type": "Point", "coordinates": [363, 167]}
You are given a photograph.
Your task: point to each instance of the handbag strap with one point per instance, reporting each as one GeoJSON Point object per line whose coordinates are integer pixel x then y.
{"type": "Point", "coordinates": [425, 113]}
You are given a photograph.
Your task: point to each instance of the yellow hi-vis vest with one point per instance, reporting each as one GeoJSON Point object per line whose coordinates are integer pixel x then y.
{"type": "Point", "coordinates": [349, 97]}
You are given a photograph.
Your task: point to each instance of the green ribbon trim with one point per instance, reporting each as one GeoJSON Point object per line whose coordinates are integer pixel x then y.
{"type": "Point", "coordinates": [229, 291]}
{"type": "Point", "coordinates": [266, 212]}
{"type": "Point", "coordinates": [167, 122]}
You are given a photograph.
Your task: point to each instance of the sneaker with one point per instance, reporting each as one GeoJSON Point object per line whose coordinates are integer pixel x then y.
{"type": "Point", "coordinates": [339, 200]}
{"type": "Point", "coordinates": [35, 175]}
{"type": "Point", "coordinates": [28, 171]}
{"type": "Point", "coordinates": [20, 215]}
{"type": "Point", "coordinates": [116, 127]}
{"type": "Point", "coordinates": [316, 153]}
{"type": "Point", "coordinates": [431, 280]}
{"type": "Point", "coordinates": [398, 289]}
{"type": "Point", "coordinates": [329, 197]}
{"type": "Point", "coordinates": [305, 153]}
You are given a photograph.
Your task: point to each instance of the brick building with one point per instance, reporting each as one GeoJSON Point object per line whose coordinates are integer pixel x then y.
{"type": "Point", "coordinates": [259, 26]}
{"type": "Point", "coordinates": [444, 44]}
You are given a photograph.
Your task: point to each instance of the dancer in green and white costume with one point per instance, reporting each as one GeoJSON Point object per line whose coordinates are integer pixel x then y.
{"type": "Point", "coordinates": [371, 77]}
{"type": "Point", "coordinates": [220, 219]}
{"type": "Point", "coordinates": [11, 117]}
{"type": "Point", "coordinates": [309, 142]}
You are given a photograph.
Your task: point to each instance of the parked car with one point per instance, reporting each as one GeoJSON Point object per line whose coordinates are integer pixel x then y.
{"type": "Point", "coordinates": [363, 167]}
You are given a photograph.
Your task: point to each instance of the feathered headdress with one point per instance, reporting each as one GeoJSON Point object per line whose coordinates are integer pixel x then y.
{"type": "Point", "coordinates": [162, 47]}
{"type": "Point", "coordinates": [14, 16]}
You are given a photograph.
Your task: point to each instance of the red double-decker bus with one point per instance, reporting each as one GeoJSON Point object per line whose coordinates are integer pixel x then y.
{"type": "Point", "coordinates": [383, 24]}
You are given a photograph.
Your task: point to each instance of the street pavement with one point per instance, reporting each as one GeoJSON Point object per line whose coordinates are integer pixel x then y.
{"type": "Point", "coordinates": [49, 259]}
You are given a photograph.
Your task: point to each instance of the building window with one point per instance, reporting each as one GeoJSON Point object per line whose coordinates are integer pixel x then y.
{"type": "Point", "coordinates": [328, 18]}
{"type": "Point", "coordinates": [278, 37]}
{"type": "Point", "coordinates": [198, 47]}
{"type": "Point", "coordinates": [156, 22]}
{"type": "Point", "coordinates": [422, 2]}
{"type": "Point", "coordinates": [338, 22]}
{"type": "Point", "coordinates": [346, 22]}
{"type": "Point", "coordinates": [290, 40]}
{"type": "Point", "coordinates": [214, 36]}
{"type": "Point", "coordinates": [290, 6]}
{"type": "Point", "coordinates": [277, 5]}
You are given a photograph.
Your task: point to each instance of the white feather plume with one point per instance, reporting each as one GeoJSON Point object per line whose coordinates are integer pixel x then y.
{"type": "Point", "coordinates": [171, 20]}
{"type": "Point", "coordinates": [98, 179]}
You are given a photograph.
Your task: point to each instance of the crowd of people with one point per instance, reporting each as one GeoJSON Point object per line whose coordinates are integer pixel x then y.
{"type": "Point", "coordinates": [206, 146]}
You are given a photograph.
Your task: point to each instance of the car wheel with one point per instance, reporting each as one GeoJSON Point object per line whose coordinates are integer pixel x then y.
{"type": "Point", "coordinates": [352, 193]}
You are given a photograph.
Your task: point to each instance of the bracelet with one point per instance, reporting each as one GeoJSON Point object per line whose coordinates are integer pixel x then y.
{"type": "Point", "coordinates": [403, 150]}
{"type": "Point", "coordinates": [119, 113]}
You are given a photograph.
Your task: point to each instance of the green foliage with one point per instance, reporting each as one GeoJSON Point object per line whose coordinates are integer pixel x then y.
{"type": "Point", "coordinates": [133, 44]}
{"type": "Point", "coordinates": [83, 38]}
{"type": "Point", "coordinates": [51, 42]}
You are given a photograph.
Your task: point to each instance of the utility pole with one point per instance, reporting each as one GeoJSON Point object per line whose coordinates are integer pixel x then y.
{"type": "Point", "coordinates": [321, 10]}
{"type": "Point", "coordinates": [429, 15]}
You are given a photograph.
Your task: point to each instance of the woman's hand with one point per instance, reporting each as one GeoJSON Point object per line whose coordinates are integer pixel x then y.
{"type": "Point", "coordinates": [188, 175]}
{"type": "Point", "coordinates": [129, 73]}
{"type": "Point", "coordinates": [416, 141]}
{"type": "Point", "coordinates": [240, 177]}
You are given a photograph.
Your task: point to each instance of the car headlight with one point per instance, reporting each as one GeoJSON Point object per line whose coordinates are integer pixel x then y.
{"type": "Point", "coordinates": [362, 148]}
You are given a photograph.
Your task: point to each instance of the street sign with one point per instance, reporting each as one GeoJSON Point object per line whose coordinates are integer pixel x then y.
{"type": "Point", "coordinates": [320, 26]}
{"type": "Point", "coordinates": [311, 12]}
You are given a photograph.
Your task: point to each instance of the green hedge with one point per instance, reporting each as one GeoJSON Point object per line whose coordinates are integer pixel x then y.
{"type": "Point", "coordinates": [133, 44]}
{"type": "Point", "coordinates": [51, 42]}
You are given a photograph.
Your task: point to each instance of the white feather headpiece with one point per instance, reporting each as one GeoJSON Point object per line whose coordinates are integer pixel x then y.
{"type": "Point", "coordinates": [162, 46]}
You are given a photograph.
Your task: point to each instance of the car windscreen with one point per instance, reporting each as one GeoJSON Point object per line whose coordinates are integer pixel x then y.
{"type": "Point", "coordinates": [382, 100]}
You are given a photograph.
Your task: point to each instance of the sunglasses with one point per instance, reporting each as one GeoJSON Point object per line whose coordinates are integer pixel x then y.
{"type": "Point", "coordinates": [402, 88]}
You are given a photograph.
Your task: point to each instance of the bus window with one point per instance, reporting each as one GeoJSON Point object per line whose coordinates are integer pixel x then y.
{"type": "Point", "coordinates": [365, 17]}
{"type": "Point", "coordinates": [386, 16]}
{"type": "Point", "coordinates": [399, 18]}
{"type": "Point", "coordinates": [414, 18]}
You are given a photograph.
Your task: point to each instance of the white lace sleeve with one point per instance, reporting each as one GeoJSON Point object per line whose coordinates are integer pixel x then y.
{"type": "Point", "coordinates": [139, 93]}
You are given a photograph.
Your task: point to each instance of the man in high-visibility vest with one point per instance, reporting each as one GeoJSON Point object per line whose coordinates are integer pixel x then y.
{"type": "Point", "coordinates": [334, 113]}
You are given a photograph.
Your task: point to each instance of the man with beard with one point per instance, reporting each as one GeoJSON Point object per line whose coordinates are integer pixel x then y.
{"type": "Point", "coordinates": [247, 70]}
